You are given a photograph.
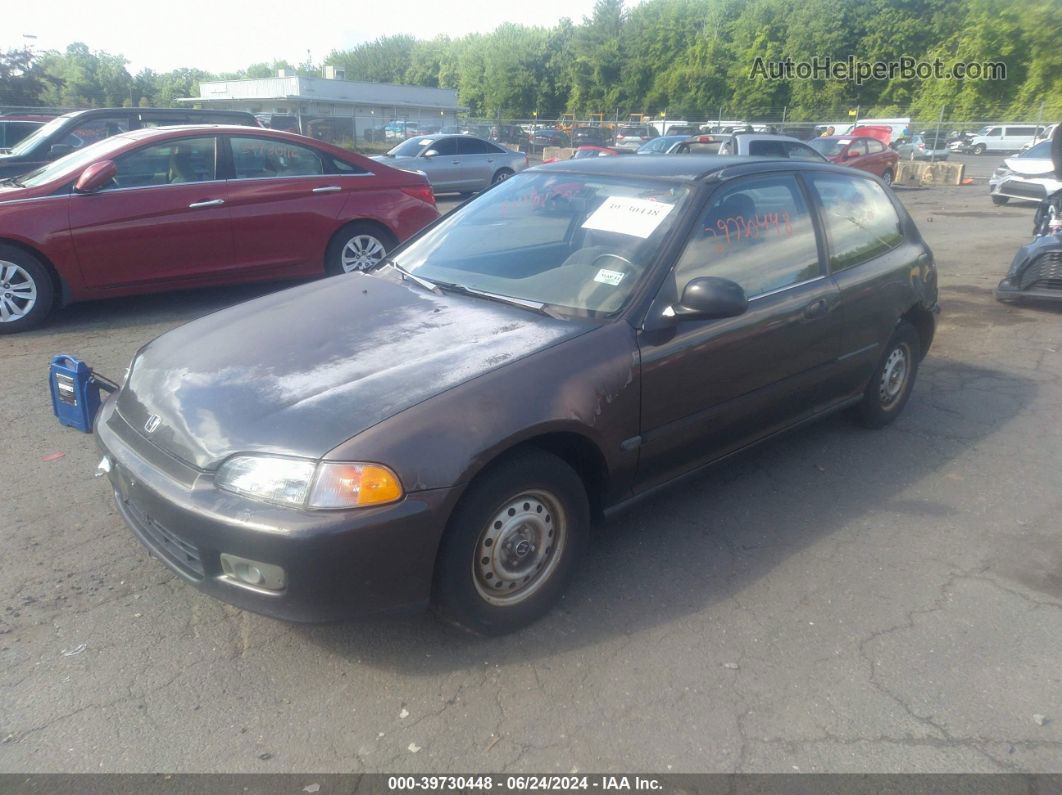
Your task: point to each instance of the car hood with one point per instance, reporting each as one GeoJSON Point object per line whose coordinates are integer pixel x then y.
{"type": "Point", "coordinates": [300, 371]}
{"type": "Point", "coordinates": [1031, 166]}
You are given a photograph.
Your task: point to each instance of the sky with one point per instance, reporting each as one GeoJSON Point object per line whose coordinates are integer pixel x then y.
{"type": "Point", "coordinates": [224, 35]}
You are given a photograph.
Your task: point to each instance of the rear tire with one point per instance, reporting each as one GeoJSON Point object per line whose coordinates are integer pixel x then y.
{"type": "Point", "coordinates": [27, 293]}
{"type": "Point", "coordinates": [890, 386]}
{"type": "Point", "coordinates": [501, 175]}
{"type": "Point", "coordinates": [887, 177]}
{"type": "Point", "coordinates": [358, 246]}
{"type": "Point", "coordinates": [1000, 200]}
{"type": "Point", "coordinates": [512, 545]}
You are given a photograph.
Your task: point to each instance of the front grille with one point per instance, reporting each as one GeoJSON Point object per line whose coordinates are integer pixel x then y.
{"type": "Point", "coordinates": [176, 550]}
{"type": "Point", "coordinates": [1044, 273]}
{"type": "Point", "coordinates": [1025, 189]}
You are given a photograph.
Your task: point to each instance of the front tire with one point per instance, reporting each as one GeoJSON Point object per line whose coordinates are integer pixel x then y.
{"type": "Point", "coordinates": [979, 149]}
{"type": "Point", "coordinates": [512, 545]}
{"type": "Point", "coordinates": [357, 247]}
{"type": "Point", "coordinates": [893, 379]}
{"type": "Point", "coordinates": [999, 201]}
{"type": "Point", "coordinates": [27, 293]}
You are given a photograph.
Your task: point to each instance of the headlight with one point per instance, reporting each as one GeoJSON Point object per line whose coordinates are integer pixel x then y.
{"type": "Point", "coordinates": [301, 483]}
{"type": "Point", "coordinates": [1001, 172]}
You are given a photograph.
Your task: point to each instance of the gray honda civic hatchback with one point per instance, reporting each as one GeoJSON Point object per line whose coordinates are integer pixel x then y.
{"type": "Point", "coordinates": [445, 429]}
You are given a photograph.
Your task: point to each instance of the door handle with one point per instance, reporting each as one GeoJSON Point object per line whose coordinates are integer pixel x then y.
{"type": "Point", "coordinates": [207, 203]}
{"type": "Point", "coordinates": [816, 309]}
{"type": "Point", "coordinates": [328, 189]}
{"type": "Point", "coordinates": [455, 162]}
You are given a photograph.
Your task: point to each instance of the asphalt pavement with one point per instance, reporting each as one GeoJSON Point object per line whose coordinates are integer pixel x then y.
{"type": "Point", "coordinates": [838, 600]}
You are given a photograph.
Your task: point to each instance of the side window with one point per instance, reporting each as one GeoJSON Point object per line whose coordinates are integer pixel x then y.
{"type": "Point", "coordinates": [473, 146]}
{"type": "Point", "coordinates": [996, 132]}
{"type": "Point", "coordinates": [799, 151]}
{"type": "Point", "coordinates": [95, 130]}
{"type": "Point", "coordinates": [874, 146]}
{"type": "Point", "coordinates": [1021, 131]}
{"type": "Point", "coordinates": [169, 120]}
{"type": "Point", "coordinates": [858, 145]}
{"type": "Point", "coordinates": [343, 167]}
{"type": "Point", "coordinates": [169, 163]}
{"type": "Point", "coordinates": [757, 232]}
{"type": "Point", "coordinates": [263, 158]}
{"type": "Point", "coordinates": [446, 147]}
{"type": "Point", "coordinates": [861, 222]}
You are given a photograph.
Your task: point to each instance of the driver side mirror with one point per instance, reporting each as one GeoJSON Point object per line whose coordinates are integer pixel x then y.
{"type": "Point", "coordinates": [96, 176]}
{"type": "Point", "coordinates": [708, 297]}
{"type": "Point", "coordinates": [59, 150]}
{"type": "Point", "coordinates": [430, 153]}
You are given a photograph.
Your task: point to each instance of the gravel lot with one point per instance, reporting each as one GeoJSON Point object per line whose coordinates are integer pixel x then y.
{"type": "Point", "coordinates": [840, 600]}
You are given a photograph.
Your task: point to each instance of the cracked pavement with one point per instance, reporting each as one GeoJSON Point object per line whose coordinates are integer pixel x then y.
{"type": "Point", "coordinates": [839, 600]}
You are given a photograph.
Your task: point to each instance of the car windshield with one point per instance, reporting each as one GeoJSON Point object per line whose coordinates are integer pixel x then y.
{"type": "Point", "coordinates": [1042, 149]}
{"type": "Point", "coordinates": [827, 147]}
{"type": "Point", "coordinates": [29, 143]}
{"type": "Point", "coordinates": [72, 163]}
{"type": "Point", "coordinates": [410, 148]}
{"type": "Point", "coordinates": [568, 242]}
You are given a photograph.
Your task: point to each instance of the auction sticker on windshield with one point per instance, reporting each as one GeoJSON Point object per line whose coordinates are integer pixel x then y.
{"type": "Point", "coordinates": [609, 277]}
{"type": "Point", "coordinates": [628, 216]}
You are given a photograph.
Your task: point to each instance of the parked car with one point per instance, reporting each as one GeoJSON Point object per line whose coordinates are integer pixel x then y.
{"type": "Point", "coordinates": [590, 136]}
{"type": "Point", "coordinates": [152, 210]}
{"type": "Point", "coordinates": [680, 129]}
{"type": "Point", "coordinates": [1046, 135]}
{"type": "Point", "coordinates": [764, 145]}
{"type": "Point", "coordinates": [68, 133]}
{"type": "Point", "coordinates": [1029, 176]}
{"type": "Point", "coordinates": [1036, 270]}
{"type": "Point", "coordinates": [549, 136]}
{"type": "Point", "coordinates": [506, 134]}
{"type": "Point", "coordinates": [1002, 138]}
{"type": "Point", "coordinates": [309, 454]}
{"type": "Point", "coordinates": [868, 154]}
{"type": "Point", "coordinates": [634, 137]}
{"type": "Point", "coordinates": [924, 146]}
{"type": "Point", "coordinates": [665, 145]}
{"type": "Point", "coordinates": [582, 152]}
{"type": "Point", "coordinates": [14, 130]}
{"type": "Point", "coordinates": [461, 163]}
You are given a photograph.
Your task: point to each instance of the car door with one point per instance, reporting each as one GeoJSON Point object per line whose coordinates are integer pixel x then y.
{"type": "Point", "coordinates": [712, 386]}
{"type": "Point", "coordinates": [477, 162]}
{"type": "Point", "coordinates": [879, 157]}
{"type": "Point", "coordinates": [162, 220]}
{"type": "Point", "coordinates": [856, 154]}
{"type": "Point", "coordinates": [443, 168]}
{"type": "Point", "coordinates": [993, 140]}
{"type": "Point", "coordinates": [870, 260]}
{"type": "Point", "coordinates": [284, 199]}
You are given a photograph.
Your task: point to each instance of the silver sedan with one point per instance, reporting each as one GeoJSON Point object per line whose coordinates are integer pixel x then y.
{"type": "Point", "coordinates": [456, 163]}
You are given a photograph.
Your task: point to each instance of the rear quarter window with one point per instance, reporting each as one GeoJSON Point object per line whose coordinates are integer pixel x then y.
{"type": "Point", "coordinates": [861, 222]}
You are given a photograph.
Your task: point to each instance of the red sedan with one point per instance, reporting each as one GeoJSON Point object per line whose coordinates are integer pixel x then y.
{"type": "Point", "coordinates": [177, 207]}
{"type": "Point", "coordinates": [863, 152]}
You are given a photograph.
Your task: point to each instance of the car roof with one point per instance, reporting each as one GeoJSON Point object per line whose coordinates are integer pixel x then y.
{"type": "Point", "coordinates": [688, 168]}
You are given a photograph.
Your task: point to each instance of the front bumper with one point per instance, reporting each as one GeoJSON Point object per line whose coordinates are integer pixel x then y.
{"type": "Point", "coordinates": [1036, 272]}
{"type": "Point", "coordinates": [338, 564]}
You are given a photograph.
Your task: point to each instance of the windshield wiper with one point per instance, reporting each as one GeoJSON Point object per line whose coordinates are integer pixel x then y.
{"type": "Point", "coordinates": [12, 181]}
{"type": "Point", "coordinates": [413, 277]}
{"type": "Point", "coordinates": [523, 303]}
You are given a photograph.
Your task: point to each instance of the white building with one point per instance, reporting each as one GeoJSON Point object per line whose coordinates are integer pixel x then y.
{"type": "Point", "coordinates": [331, 108]}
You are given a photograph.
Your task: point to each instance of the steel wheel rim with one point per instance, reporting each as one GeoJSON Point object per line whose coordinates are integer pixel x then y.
{"type": "Point", "coordinates": [887, 177]}
{"type": "Point", "coordinates": [520, 548]}
{"type": "Point", "coordinates": [361, 253]}
{"type": "Point", "coordinates": [18, 292]}
{"type": "Point", "coordinates": [894, 375]}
